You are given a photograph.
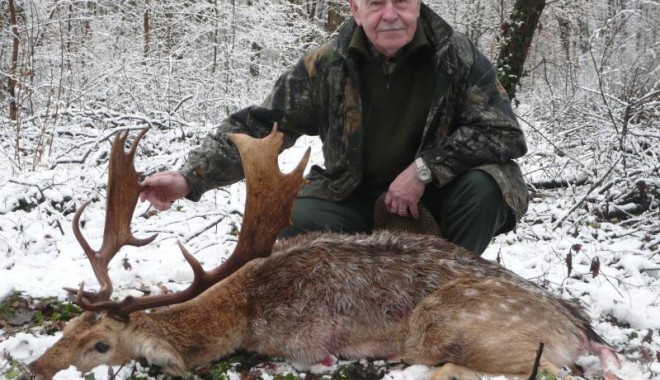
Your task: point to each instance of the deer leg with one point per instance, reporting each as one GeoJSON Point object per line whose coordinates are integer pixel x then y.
{"type": "Point", "coordinates": [458, 325]}
{"type": "Point", "coordinates": [451, 371]}
{"type": "Point", "coordinates": [608, 360]}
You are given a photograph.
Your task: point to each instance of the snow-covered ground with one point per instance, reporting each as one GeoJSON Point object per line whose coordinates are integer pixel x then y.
{"type": "Point", "coordinates": [39, 254]}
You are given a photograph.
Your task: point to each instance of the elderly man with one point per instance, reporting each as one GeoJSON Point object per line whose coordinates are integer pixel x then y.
{"type": "Point", "coordinates": [405, 107]}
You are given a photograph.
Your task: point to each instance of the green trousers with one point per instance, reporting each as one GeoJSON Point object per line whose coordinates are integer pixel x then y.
{"type": "Point", "coordinates": [470, 210]}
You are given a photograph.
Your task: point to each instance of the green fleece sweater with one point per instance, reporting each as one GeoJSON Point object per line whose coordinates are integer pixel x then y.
{"type": "Point", "coordinates": [396, 96]}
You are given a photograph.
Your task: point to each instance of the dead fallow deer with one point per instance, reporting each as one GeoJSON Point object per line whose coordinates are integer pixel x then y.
{"type": "Point", "coordinates": [386, 295]}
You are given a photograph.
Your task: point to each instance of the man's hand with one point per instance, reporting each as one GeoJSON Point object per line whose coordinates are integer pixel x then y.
{"type": "Point", "coordinates": [161, 189]}
{"type": "Point", "coordinates": [404, 193]}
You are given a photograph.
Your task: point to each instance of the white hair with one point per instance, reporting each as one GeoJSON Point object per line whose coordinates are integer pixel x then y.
{"type": "Point", "coordinates": [361, 2]}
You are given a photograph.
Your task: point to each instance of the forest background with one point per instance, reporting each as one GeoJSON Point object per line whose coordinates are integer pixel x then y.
{"type": "Point", "coordinates": [584, 76]}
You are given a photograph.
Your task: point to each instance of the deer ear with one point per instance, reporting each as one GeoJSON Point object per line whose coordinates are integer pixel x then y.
{"type": "Point", "coordinates": [162, 354]}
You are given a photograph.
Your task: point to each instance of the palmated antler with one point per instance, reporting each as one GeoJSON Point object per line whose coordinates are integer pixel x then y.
{"type": "Point", "coordinates": [121, 199]}
{"type": "Point", "coordinates": [270, 196]}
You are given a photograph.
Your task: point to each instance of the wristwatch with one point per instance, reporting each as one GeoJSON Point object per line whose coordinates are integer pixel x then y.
{"type": "Point", "coordinates": [423, 171]}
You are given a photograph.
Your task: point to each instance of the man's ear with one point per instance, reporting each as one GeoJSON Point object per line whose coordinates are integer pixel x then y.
{"type": "Point", "coordinates": [354, 10]}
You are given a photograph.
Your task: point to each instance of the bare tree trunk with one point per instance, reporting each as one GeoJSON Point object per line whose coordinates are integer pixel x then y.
{"type": "Point", "coordinates": [69, 35]}
{"type": "Point", "coordinates": [255, 59]}
{"type": "Point", "coordinates": [147, 32]}
{"type": "Point", "coordinates": [215, 35]}
{"type": "Point", "coordinates": [87, 24]}
{"type": "Point", "coordinates": [311, 9]}
{"type": "Point", "coordinates": [337, 12]}
{"type": "Point", "coordinates": [584, 34]}
{"type": "Point", "coordinates": [517, 35]}
{"type": "Point", "coordinates": [13, 70]}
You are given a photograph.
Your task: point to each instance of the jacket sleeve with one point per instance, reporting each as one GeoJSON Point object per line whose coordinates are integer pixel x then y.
{"type": "Point", "coordinates": [216, 162]}
{"type": "Point", "coordinates": [486, 131]}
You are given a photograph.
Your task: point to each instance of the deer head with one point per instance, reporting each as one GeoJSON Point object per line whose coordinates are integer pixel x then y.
{"type": "Point", "coordinates": [106, 333]}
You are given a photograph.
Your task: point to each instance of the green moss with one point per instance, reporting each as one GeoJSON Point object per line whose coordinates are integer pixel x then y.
{"type": "Point", "coordinates": [8, 305]}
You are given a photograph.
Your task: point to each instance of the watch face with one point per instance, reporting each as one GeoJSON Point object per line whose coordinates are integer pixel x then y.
{"type": "Point", "coordinates": [424, 174]}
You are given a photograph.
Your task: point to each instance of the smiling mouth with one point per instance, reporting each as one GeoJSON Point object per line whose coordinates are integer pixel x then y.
{"type": "Point", "coordinates": [390, 28]}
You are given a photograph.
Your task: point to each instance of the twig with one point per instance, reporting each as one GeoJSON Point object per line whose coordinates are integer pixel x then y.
{"type": "Point", "coordinates": [112, 374]}
{"type": "Point", "coordinates": [549, 141]}
{"type": "Point", "coordinates": [591, 189]}
{"type": "Point", "coordinates": [181, 103]}
{"type": "Point", "coordinates": [537, 362]}
{"type": "Point", "coordinates": [96, 143]}
{"type": "Point", "coordinates": [41, 191]}
{"type": "Point", "coordinates": [205, 228]}
{"type": "Point", "coordinates": [560, 183]}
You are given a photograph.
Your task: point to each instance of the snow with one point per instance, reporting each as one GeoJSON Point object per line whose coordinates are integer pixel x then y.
{"type": "Point", "coordinates": [40, 256]}
{"type": "Point", "coordinates": [411, 373]}
{"type": "Point", "coordinates": [572, 137]}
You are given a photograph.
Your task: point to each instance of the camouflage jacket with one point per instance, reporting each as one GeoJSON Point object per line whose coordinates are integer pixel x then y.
{"type": "Point", "coordinates": [470, 124]}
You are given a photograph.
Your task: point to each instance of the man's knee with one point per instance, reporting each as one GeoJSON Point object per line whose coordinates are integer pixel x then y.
{"type": "Point", "coordinates": [477, 198]}
{"type": "Point", "coordinates": [471, 210]}
{"type": "Point", "coordinates": [480, 189]}
{"type": "Point", "coordinates": [311, 214]}
{"type": "Point", "coordinates": [303, 220]}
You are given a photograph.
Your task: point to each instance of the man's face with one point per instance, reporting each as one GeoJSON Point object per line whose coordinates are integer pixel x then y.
{"type": "Point", "coordinates": [388, 24]}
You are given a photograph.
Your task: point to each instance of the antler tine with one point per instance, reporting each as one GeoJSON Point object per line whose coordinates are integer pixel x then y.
{"type": "Point", "coordinates": [122, 195]}
{"type": "Point", "coordinates": [270, 196]}
{"type": "Point", "coordinates": [270, 193]}
{"type": "Point", "coordinates": [130, 304]}
{"type": "Point", "coordinates": [123, 192]}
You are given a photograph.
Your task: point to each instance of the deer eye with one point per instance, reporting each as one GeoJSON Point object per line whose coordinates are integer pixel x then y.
{"type": "Point", "coordinates": [102, 347]}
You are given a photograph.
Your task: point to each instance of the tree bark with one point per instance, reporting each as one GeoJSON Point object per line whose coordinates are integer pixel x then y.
{"type": "Point", "coordinates": [255, 59]}
{"type": "Point", "coordinates": [337, 13]}
{"type": "Point", "coordinates": [13, 70]}
{"type": "Point", "coordinates": [215, 35]}
{"type": "Point", "coordinates": [517, 35]}
{"type": "Point", "coordinates": [147, 32]}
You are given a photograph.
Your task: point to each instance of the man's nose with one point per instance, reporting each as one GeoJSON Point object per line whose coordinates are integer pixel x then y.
{"type": "Point", "coordinates": [389, 12]}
